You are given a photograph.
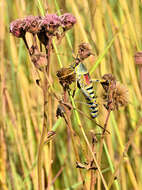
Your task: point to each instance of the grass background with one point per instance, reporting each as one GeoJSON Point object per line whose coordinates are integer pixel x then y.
{"type": "Point", "coordinates": [113, 29]}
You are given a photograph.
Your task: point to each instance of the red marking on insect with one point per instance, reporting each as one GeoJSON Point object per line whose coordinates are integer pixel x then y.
{"type": "Point", "coordinates": [87, 78]}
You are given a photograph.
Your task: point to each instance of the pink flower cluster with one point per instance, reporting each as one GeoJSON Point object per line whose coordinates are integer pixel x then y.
{"type": "Point", "coordinates": [36, 24]}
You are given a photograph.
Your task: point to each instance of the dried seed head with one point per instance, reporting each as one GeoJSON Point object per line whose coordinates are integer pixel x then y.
{"type": "Point", "coordinates": [84, 51]}
{"type": "Point", "coordinates": [50, 23]}
{"type": "Point", "coordinates": [121, 95]}
{"type": "Point", "coordinates": [109, 77]}
{"type": "Point", "coordinates": [109, 80]}
{"type": "Point", "coordinates": [16, 28]}
{"type": "Point", "coordinates": [116, 94]}
{"type": "Point", "coordinates": [67, 21]}
{"type": "Point", "coordinates": [66, 77]}
{"type": "Point", "coordinates": [32, 24]}
{"type": "Point", "coordinates": [66, 74]}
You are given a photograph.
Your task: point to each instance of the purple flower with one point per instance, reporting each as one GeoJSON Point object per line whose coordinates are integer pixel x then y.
{"type": "Point", "coordinates": [16, 28]}
{"type": "Point", "coordinates": [67, 20]}
{"type": "Point", "coordinates": [32, 24]}
{"type": "Point", "coordinates": [50, 23]}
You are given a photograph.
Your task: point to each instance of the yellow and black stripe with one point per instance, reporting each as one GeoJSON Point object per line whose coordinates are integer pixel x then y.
{"type": "Point", "coordinates": [91, 100]}
{"type": "Point", "coordinates": [90, 97]}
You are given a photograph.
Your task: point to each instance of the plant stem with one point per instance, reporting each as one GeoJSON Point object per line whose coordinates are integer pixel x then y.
{"type": "Point", "coordinates": [92, 181]}
{"type": "Point", "coordinates": [49, 114]}
{"type": "Point", "coordinates": [42, 139]}
{"type": "Point", "coordinates": [47, 108]}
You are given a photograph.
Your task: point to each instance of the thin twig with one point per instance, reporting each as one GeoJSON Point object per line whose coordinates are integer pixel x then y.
{"type": "Point", "coordinates": [42, 139]}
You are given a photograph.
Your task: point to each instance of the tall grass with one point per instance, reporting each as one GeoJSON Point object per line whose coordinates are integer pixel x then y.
{"type": "Point", "coordinates": [113, 28]}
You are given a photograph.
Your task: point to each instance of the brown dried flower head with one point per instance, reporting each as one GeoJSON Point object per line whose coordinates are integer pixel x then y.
{"type": "Point", "coordinates": [121, 95]}
{"type": "Point", "coordinates": [116, 94]}
{"type": "Point", "coordinates": [84, 51]}
{"type": "Point", "coordinates": [16, 28]}
{"type": "Point", "coordinates": [32, 24]}
{"type": "Point", "coordinates": [67, 20]}
{"type": "Point", "coordinates": [66, 77]}
{"type": "Point", "coordinates": [109, 79]}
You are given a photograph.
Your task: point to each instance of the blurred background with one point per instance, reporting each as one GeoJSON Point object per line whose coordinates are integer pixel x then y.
{"type": "Point", "coordinates": [113, 28]}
